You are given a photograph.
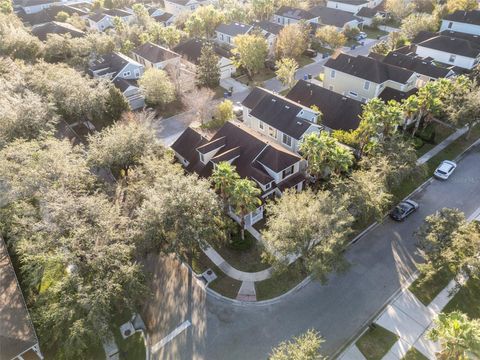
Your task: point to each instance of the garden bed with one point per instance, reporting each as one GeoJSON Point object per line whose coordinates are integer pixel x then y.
{"type": "Point", "coordinates": [414, 354]}
{"type": "Point", "coordinates": [376, 342]}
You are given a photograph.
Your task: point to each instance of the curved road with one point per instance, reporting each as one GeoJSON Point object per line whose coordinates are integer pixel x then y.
{"type": "Point", "coordinates": [381, 262]}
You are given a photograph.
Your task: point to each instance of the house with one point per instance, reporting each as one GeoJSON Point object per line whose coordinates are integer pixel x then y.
{"type": "Point", "coordinates": [225, 33]}
{"type": "Point", "coordinates": [192, 49]}
{"type": "Point", "coordinates": [56, 27]}
{"type": "Point", "coordinates": [337, 112]}
{"type": "Point", "coordinates": [287, 15]}
{"type": "Point", "coordinates": [123, 72]}
{"type": "Point", "coordinates": [424, 67]}
{"type": "Point", "coordinates": [367, 14]}
{"type": "Point", "coordinates": [155, 56]}
{"type": "Point", "coordinates": [49, 14]}
{"type": "Point", "coordinates": [334, 17]}
{"type": "Point", "coordinates": [165, 18]}
{"type": "Point", "coordinates": [103, 20]}
{"type": "Point", "coordinates": [270, 31]}
{"type": "Point", "coordinates": [254, 156]}
{"type": "Point", "coordinates": [451, 48]}
{"type": "Point", "coordinates": [462, 21]}
{"type": "Point", "coordinates": [398, 95]}
{"type": "Point", "coordinates": [176, 7]}
{"type": "Point", "coordinates": [35, 6]}
{"type": "Point", "coordinates": [18, 340]}
{"type": "Point", "coordinates": [278, 118]}
{"type": "Point", "coordinates": [363, 78]}
{"type": "Point", "coordinates": [352, 6]}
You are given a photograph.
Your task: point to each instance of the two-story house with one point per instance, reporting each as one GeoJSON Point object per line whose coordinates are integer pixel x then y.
{"type": "Point", "coordinates": [176, 7]}
{"type": "Point", "coordinates": [449, 47]}
{"type": "Point", "coordinates": [352, 6]}
{"type": "Point", "coordinates": [35, 6]}
{"type": "Point", "coordinates": [270, 31]}
{"type": "Point", "coordinates": [462, 21]}
{"type": "Point", "coordinates": [123, 72]}
{"type": "Point", "coordinates": [103, 19]}
{"type": "Point", "coordinates": [424, 67]}
{"type": "Point", "coordinates": [155, 56]}
{"type": "Point", "coordinates": [18, 339]}
{"type": "Point", "coordinates": [225, 33]}
{"type": "Point", "coordinates": [49, 14]}
{"type": "Point", "coordinates": [56, 27]}
{"type": "Point", "coordinates": [191, 51]}
{"type": "Point", "coordinates": [254, 156]}
{"type": "Point", "coordinates": [287, 15]}
{"type": "Point", "coordinates": [363, 78]}
{"type": "Point", "coordinates": [280, 119]}
{"type": "Point", "coordinates": [341, 19]}
{"type": "Point", "coordinates": [337, 112]}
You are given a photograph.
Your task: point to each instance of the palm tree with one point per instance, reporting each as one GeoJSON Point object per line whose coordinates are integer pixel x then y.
{"type": "Point", "coordinates": [224, 177]}
{"type": "Point", "coordinates": [458, 335]}
{"type": "Point", "coordinates": [245, 199]}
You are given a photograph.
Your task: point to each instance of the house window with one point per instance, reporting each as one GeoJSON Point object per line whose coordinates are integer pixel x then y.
{"type": "Point", "coordinates": [452, 58]}
{"type": "Point", "coordinates": [450, 24]}
{"type": "Point", "coordinates": [287, 140]}
{"type": "Point", "coordinates": [272, 132]}
{"type": "Point", "coordinates": [137, 73]}
{"type": "Point", "coordinates": [221, 37]}
{"type": "Point", "coordinates": [268, 186]}
{"type": "Point", "coordinates": [351, 93]}
{"type": "Point", "coordinates": [228, 39]}
{"type": "Point", "coordinates": [330, 88]}
{"type": "Point", "coordinates": [260, 125]}
{"type": "Point", "coordinates": [366, 86]}
{"type": "Point", "coordinates": [332, 74]}
{"type": "Point", "coordinates": [287, 172]}
{"type": "Point", "coordinates": [127, 73]}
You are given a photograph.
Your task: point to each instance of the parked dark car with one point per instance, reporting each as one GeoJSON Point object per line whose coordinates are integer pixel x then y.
{"type": "Point", "coordinates": [403, 210]}
{"type": "Point", "coordinates": [310, 53]}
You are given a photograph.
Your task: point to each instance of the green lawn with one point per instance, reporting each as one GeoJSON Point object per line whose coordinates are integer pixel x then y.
{"type": "Point", "coordinates": [280, 283]}
{"type": "Point", "coordinates": [223, 284]}
{"type": "Point", "coordinates": [304, 60]}
{"type": "Point", "coordinates": [373, 33]}
{"type": "Point", "coordinates": [376, 342]}
{"type": "Point", "coordinates": [467, 300]}
{"type": "Point", "coordinates": [258, 79]}
{"type": "Point", "coordinates": [414, 354]}
{"type": "Point", "coordinates": [244, 255]}
{"type": "Point", "coordinates": [427, 290]}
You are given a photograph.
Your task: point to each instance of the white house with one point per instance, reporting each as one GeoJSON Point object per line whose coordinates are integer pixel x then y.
{"type": "Point", "coordinates": [176, 7]}
{"type": "Point", "coordinates": [270, 166]}
{"type": "Point", "coordinates": [192, 49]}
{"type": "Point", "coordinates": [278, 118]}
{"type": "Point", "coordinates": [123, 72]}
{"type": "Point", "coordinates": [155, 56]}
{"type": "Point", "coordinates": [287, 15]}
{"type": "Point", "coordinates": [103, 20]}
{"type": "Point", "coordinates": [462, 21]}
{"type": "Point", "coordinates": [225, 33]}
{"type": "Point", "coordinates": [334, 17]}
{"type": "Point", "coordinates": [270, 31]}
{"type": "Point", "coordinates": [450, 50]}
{"type": "Point", "coordinates": [363, 78]}
{"type": "Point", "coordinates": [352, 6]}
{"type": "Point", "coordinates": [35, 6]}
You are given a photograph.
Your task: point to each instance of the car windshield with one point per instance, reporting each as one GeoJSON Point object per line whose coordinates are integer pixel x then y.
{"type": "Point", "coordinates": [441, 171]}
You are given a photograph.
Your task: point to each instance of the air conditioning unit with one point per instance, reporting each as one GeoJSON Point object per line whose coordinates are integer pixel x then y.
{"type": "Point", "coordinates": [127, 329]}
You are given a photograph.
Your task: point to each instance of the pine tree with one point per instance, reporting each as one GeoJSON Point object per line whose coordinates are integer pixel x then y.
{"type": "Point", "coordinates": [208, 71]}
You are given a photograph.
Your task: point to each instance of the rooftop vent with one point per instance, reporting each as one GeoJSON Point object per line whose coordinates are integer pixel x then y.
{"type": "Point", "coordinates": [274, 100]}
{"type": "Point", "coordinates": [287, 107]}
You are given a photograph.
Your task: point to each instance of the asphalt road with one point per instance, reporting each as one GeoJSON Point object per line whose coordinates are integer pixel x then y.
{"type": "Point", "coordinates": [381, 262]}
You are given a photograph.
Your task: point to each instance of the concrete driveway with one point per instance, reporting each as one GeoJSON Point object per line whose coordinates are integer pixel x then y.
{"type": "Point", "coordinates": [381, 262]}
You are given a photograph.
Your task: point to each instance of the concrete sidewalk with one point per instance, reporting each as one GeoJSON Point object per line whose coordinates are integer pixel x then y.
{"type": "Point", "coordinates": [218, 260]}
{"type": "Point", "coordinates": [428, 155]}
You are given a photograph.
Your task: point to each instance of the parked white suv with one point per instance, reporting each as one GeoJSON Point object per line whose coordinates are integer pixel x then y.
{"type": "Point", "coordinates": [445, 169]}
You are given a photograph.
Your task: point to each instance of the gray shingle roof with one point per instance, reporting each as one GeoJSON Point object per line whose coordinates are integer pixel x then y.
{"type": "Point", "coordinates": [154, 53]}
{"type": "Point", "coordinates": [233, 29]}
{"type": "Point", "coordinates": [55, 27]}
{"type": "Point", "coordinates": [269, 26]}
{"type": "Point", "coordinates": [452, 45]}
{"type": "Point", "coordinates": [334, 17]}
{"type": "Point", "coordinates": [468, 17]}
{"type": "Point", "coordinates": [338, 112]}
{"type": "Point", "coordinates": [294, 13]}
{"type": "Point", "coordinates": [192, 49]}
{"type": "Point", "coordinates": [368, 69]}
{"type": "Point", "coordinates": [351, 2]}
{"type": "Point", "coordinates": [418, 65]}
